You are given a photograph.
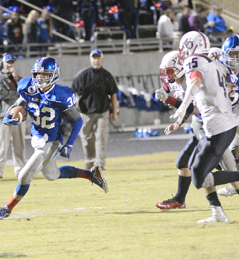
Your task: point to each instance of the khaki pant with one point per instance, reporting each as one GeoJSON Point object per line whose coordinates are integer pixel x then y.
{"type": "Point", "coordinates": [17, 135]}
{"type": "Point", "coordinates": [94, 137]}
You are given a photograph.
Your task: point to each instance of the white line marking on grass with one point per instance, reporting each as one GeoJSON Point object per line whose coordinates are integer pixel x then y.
{"type": "Point", "coordinates": [18, 215]}
{"type": "Point", "coordinates": [129, 184]}
{"type": "Point", "coordinates": [163, 137]}
{"type": "Point", "coordinates": [133, 184]}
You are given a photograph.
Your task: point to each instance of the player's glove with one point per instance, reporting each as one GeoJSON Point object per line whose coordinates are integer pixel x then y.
{"type": "Point", "coordinates": [7, 120]}
{"type": "Point", "coordinates": [66, 151]}
{"type": "Point", "coordinates": [180, 113]}
{"type": "Point", "coordinates": [160, 94]}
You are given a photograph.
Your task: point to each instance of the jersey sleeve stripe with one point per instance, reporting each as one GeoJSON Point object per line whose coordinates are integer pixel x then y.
{"type": "Point", "coordinates": [195, 74]}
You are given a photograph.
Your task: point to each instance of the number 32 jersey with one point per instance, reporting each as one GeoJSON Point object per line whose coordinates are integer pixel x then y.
{"type": "Point", "coordinates": [46, 108]}
{"type": "Point", "coordinates": [212, 99]}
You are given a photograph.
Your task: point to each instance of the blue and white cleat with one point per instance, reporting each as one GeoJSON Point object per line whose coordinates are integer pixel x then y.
{"type": "Point", "coordinates": [98, 179]}
{"type": "Point", "coordinates": [4, 212]}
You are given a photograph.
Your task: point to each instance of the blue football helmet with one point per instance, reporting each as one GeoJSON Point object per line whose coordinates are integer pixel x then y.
{"type": "Point", "coordinates": [45, 65]}
{"type": "Point", "coordinates": [230, 52]}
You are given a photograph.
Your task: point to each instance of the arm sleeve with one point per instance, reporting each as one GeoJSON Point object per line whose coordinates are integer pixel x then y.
{"type": "Point", "coordinates": [161, 28]}
{"type": "Point", "coordinates": [175, 102]}
{"type": "Point", "coordinates": [113, 86]}
{"type": "Point", "coordinates": [188, 112]}
{"type": "Point", "coordinates": [210, 17]}
{"type": "Point", "coordinates": [74, 115]}
{"type": "Point", "coordinates": [77, 124]}
{"type": "Point", "coordinates": [78, 81]}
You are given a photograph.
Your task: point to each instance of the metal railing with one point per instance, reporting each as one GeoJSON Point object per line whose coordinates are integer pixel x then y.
{"type": "Point", "coordinates": [77, 30]}
{"type": "Point", "coordinates": [108, 39]}
{"type": "Point", "coordinates": [108, 45]}
{"type": "Point", "coordinates": [113, 41]}
{"type": "Point", "coordinates": [230, 7]}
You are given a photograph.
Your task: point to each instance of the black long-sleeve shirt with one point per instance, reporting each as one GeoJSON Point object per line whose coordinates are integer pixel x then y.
{"type": "Point", "coordinates": [94, 86]}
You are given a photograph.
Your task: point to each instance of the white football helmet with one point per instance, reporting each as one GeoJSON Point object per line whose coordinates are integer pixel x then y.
{"type": "Point", "coordinates": [215, 53]}
{"type": "Point", "coordinates": [193, 42]}
{"type": "Point", "coordinates": [170, 67]}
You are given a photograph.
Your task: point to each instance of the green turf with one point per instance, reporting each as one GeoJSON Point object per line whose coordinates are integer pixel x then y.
{"type": "Point", "coordinates": [70, 219]}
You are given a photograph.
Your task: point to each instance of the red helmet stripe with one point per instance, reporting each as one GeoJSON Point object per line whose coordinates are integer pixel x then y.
{"type": "Point", "coordinates": [204, 39]}
{"type": "Point", "coordinates": [40, 63]}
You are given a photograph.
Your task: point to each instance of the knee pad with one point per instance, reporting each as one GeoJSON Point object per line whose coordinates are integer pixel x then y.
{"type": "Point", "coordinates": [31, 168]}
{"type": "Point", "coordinates": [182, 160]}
{"type": "Point", "coordinates": [196, 182]}
{"type": "Point", "coordinates": [183, 157]}
{"type": "Point", "coordinates": [208, 181]}
{"type": "Point", "coordinates": [51, 172]}
{"type": "Point", "coordinates": [202, 182]}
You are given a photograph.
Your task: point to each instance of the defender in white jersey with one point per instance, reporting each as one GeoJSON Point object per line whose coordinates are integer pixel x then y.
{"type": "Point", "coordinates": [212, 98]}
{"type": "Point", "coordinates": [46, 102]}
{"type": "Point", "coordinates": [172, 76]}
{"type": "Point", "coordinates": [170, 68]}
{"type": "Point", "coordinates": [206, 83]}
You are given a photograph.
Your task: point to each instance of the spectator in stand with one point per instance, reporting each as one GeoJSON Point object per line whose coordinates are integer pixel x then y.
{"type": "Point", "coordinates": [1, 26]}
{"type": "Point", "coordinates": [1, 30]}
{"type": "Point", "coordinates": [13, 31]}
{"type": "Point", "coordinates": [128, 16]}
{"type": "Point", "coordinates": [30, 28]}
{"type": "Point", "coordinates": [198, 21]}
{"type": "Point", "coordinates": [167, 24]}
{"type": "Point", "coordinates": [63, 9]}
{"type": "Point", "coordinates": [184, 25]}
{"type": "Point", "coordinates": [45, 34]}
{"type": "Point", "coordinates": [87, 11]}
{"type": "Point", "coordinates": [13, 5]}
{"type": "Point", "coordinates": [216, 22]}
{"type": "Point", "coordinates": [146, 4]}
{"type": "Point", "coordinates": [38, 3]}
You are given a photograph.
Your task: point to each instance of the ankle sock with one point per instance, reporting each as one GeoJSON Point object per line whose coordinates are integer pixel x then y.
{"type": "Point", "coordinates": [183, 186]}
{"type": "Point", "coordinates": [213, 199]}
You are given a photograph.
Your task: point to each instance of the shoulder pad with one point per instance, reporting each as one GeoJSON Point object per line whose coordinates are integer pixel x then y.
{"type": "Point", "coordinates": [26, 85]}
{"type": "Point", "coordinates": [61, 94]}
{"type": "Point", "coordinates": [63, 91]}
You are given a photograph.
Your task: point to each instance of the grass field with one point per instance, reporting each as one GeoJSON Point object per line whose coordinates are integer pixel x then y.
{"type": "Point", "coordinates": [70, 219]}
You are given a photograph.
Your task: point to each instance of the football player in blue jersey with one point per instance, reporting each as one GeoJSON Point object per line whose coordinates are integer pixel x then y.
{"type": "Point", "coordinates": [46, 102]}
{"type": "Point", "coordinates": [230, 57]}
